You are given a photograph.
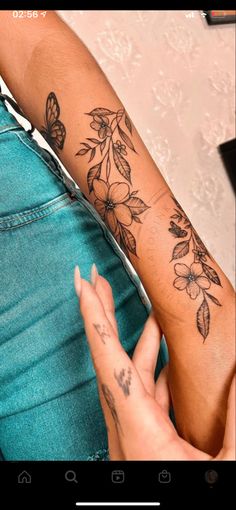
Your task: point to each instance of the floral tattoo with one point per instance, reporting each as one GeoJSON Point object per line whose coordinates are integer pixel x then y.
{"type": "Point", "coordinates": [197, 278]}
{"type": "Point", "coordinates": [116, 204]}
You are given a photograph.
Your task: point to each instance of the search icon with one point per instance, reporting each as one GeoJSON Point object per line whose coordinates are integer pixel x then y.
{"type": "Point", "coordinates": [70, 476]}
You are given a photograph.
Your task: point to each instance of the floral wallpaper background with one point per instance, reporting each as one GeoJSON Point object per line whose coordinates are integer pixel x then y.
{"type": "Point", "coordinates": [176, 77]}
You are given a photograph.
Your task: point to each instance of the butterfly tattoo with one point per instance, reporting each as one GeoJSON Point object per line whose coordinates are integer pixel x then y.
{"type": "Point", "coordinates": [176, 230]}
{"type": "Point", "coordinates": [54, 130]}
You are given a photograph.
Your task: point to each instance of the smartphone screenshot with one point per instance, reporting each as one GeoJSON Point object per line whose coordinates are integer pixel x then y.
{"type": "Point", "coordinates": [117, 250]}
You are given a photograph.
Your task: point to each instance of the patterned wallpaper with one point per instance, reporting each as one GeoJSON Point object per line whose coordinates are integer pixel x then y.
{"type": "Point", "coordinates": [176, 77]}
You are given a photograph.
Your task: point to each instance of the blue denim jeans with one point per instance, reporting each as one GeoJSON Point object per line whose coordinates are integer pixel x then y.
{"type": "Point", "coordinates": [49, 404]}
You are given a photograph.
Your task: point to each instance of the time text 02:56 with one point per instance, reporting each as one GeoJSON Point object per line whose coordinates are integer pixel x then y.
{"type": "Point", "coordinates": [28, 14]}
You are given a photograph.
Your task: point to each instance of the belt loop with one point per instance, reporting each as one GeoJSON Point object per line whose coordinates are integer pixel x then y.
{"type": "Point", "coordinates": [70, 185]}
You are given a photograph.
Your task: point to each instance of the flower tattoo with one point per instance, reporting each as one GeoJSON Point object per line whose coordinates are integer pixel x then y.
{"type": "Point", "coordinates": [114, 201]}
{"type": "Point", "coordinates": [101, 124]}
{"type": "Point", "coordinates": [191, 279]}
{"type": "Point", "coordinates": [197, 278]}
{"type": "Point", "coordinates": [120, 147]}
{"type": "Point", "coordinates": [111, 203]}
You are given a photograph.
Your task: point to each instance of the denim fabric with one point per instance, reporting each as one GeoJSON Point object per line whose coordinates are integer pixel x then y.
{"type": "Point", "coordinates": [49, 405]}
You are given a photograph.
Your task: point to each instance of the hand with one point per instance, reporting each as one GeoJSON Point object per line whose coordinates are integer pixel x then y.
{"type": "Point", "coordinates": [136, 409]}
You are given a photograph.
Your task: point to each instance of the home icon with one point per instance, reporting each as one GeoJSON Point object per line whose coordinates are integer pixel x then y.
{"type": "Point", "coordinates": [24, 477]}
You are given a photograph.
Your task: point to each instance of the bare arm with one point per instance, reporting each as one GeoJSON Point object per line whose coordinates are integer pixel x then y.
{"type": "Point", "coordinates": [65, 94]}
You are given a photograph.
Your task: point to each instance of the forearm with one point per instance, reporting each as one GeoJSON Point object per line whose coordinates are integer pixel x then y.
{"type": "Point", "coordinates": [49, 57]}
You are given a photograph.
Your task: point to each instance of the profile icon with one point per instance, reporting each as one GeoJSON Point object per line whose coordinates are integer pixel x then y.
{"type": "Point", "coordinates": [211, 476]}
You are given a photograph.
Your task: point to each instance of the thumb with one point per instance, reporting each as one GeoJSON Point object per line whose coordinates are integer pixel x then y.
{"type": "Point", "coordinates": [229, 437]}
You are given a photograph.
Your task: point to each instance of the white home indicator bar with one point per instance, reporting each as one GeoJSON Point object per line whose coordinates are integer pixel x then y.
{"type": "Point", "coordinates": [117, 504]}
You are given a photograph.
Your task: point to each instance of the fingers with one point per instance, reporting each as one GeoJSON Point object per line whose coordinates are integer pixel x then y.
{"type": "Point", "coordinates": [104, 291]}
{"type": "Point", "coordinates": [229, 437]}
{"type": "Point", "coordinates": [114, 447]}
{"type": "Point", "coordinates": [118, 379]}
{"type": "Point", "coordinates": [138, 420]}
{"type": "Point", "coordinates": [162, 393]}
{"type": "Point", "coordinates": [146, 353]}
{"type": "Point", "coordinates": [99, 329]}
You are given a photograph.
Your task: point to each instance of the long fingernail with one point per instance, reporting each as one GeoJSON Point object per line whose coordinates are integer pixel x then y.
{"type": "Point", "coordinates": [94, 274]}
{"type": "Point", "coordinates": [77, 280]}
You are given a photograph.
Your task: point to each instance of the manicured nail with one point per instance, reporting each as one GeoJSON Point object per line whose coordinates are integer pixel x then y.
{"type": "Point", "coordinates": [77, 280]}
{"type": "Point", "coordinates": [94, 275]}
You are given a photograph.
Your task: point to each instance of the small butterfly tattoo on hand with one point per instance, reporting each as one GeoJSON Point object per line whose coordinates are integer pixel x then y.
{"type": "Point", "coordinates": [54, 130]}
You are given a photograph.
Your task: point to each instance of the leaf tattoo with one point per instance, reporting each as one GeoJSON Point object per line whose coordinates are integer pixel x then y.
{"type": "Point", "coordinates": [128, 124]}
{"type": "Point", "coordinates": [54, 130]}
{"type": "Point", "coordinates": [197, 278]}
{"type": "Point", "coordinates": [203, 318]}
{"type": "Point", "coordinates": [101, 111]}
{"type": "Point", "coordinates": [126, 138]}
{"type": "Point", "coordinates": [211, 274]}
{"type": "Point", "coordinates": [116, 204]}
{"type": "Point", "coordinates": [124, 380]}
{"type": "Point", "coordinates": [121, 163]}
{"type": "Point", "coordinates": [94, 173]}
{"type": "Point", "coordinates": [110, 400]}
{"type": "Point", "coordinates": [213, 298]}
{"type": "Point", "coordinates": [180, 250]}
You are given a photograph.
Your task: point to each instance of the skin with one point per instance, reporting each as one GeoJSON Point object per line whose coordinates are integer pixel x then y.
{"type": "Point", "coordinates": [138, 423]}
{"type": "Point", "coordinates": [52, 69]}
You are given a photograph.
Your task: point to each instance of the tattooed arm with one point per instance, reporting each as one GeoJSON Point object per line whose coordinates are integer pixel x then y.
{"type": "Point", "coordinates": [65, 94]}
